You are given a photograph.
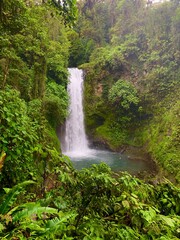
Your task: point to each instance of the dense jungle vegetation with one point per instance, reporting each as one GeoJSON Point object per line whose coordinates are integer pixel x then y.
{"type": "Point", "coordinates": [132, 76]}
{"type": "Point", "coordinates": [130, 53]}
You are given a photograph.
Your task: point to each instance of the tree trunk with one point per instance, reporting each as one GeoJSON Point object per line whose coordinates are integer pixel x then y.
{"type": "Point", "coordinates": [39, 77]}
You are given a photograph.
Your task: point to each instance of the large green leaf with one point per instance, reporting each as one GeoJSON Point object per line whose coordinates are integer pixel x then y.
{"type": "Point", "coordinates": [32, 210]}
{"type": "Point", "coordinates": [11, 196]}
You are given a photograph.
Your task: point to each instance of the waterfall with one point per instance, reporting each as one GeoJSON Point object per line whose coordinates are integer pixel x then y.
{"type": "Point", "coordinates": [73, 138]}
{"type": "Point", "coordinates": [75, 141]}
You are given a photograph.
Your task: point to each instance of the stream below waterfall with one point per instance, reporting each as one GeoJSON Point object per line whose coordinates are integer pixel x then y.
{"type": "Point", "coordinates": [74, 141]}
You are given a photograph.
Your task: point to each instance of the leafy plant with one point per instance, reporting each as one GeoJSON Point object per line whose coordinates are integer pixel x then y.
{"type": "Point", "coordinates": [10, 197]}
{"type": "Point", "coordinates": [18, 136]}
{"type": "Point", "coordinates": [123, 94]}
{"type": "Point", "coordinates": [55, 104]}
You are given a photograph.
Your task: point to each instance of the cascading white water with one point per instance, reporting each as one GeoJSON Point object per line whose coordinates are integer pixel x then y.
{"type": "Point", "coordinates": [75, 142]}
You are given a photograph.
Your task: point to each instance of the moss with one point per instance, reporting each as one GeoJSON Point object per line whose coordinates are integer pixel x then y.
{"type": "Point", "coordinates": [156, 128]}
{"type": "Point", "coordinates": [94, 107]}
{"type": "Point", "coordinates": [102, 123]}
{"type": "Point", "coordinates": [52, 138]}
{"type": "Point", "coordinates": [111, 134]}
{"type": "Point", "coordinates": [162, 138]}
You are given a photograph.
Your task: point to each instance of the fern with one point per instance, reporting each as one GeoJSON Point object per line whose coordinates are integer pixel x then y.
{"type": "Point", "coordinates": [42, 226]}
{"type": "Point", "coordinates": [58, 225]}
{"type": "Point", "coordinates": [30, 210]}
{"type": "Point", "coordinates": [11, 196]}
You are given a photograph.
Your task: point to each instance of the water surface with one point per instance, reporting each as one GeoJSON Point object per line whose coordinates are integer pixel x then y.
{"type": "Point", "coordinates": [116, 161]}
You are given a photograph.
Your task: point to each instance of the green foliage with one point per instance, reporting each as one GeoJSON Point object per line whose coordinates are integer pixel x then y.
{"type": "Point", "coordinates": [93, 22]}
{"type": "Point", "coordinates": [18, 136]}
{"type": "Point", "coordinates": [176, 22]}
{"type": "Point", "coordinates": [80, 49]}
{"type": "Point", "coordinates": [27, 139]}
{"type": "Point", "coordinates": [121, 40]}
{"type": "Point", "coordinates": [23, 47]}
{"type": "Point", "coordinates": [143, 49]}
{"type": "Point", "coordinates": [34, 47]}
{"type": "Point", "coordinates": [12, 14]}
{"type": "Point", "coordinates": [123, 94]}
{"type": "Point", "coordinates": [113, 132]}
{"type": "Point", "coordinates": [55, 104]}
{"type": "Point", "coordinates": [67, 9]}
{"type": "Point", "coordinates": [22, 220]}
{"type": "Point", "coordinates": [57, 56]}
{"type": "Point", "coordinates": [110, 208]}
{"type": "Point", "coordinates": [163, 137]}
{"type": "Point", "coordinates": [91, 204]}
{"type": "Point", "coordinates": [10, 197]}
